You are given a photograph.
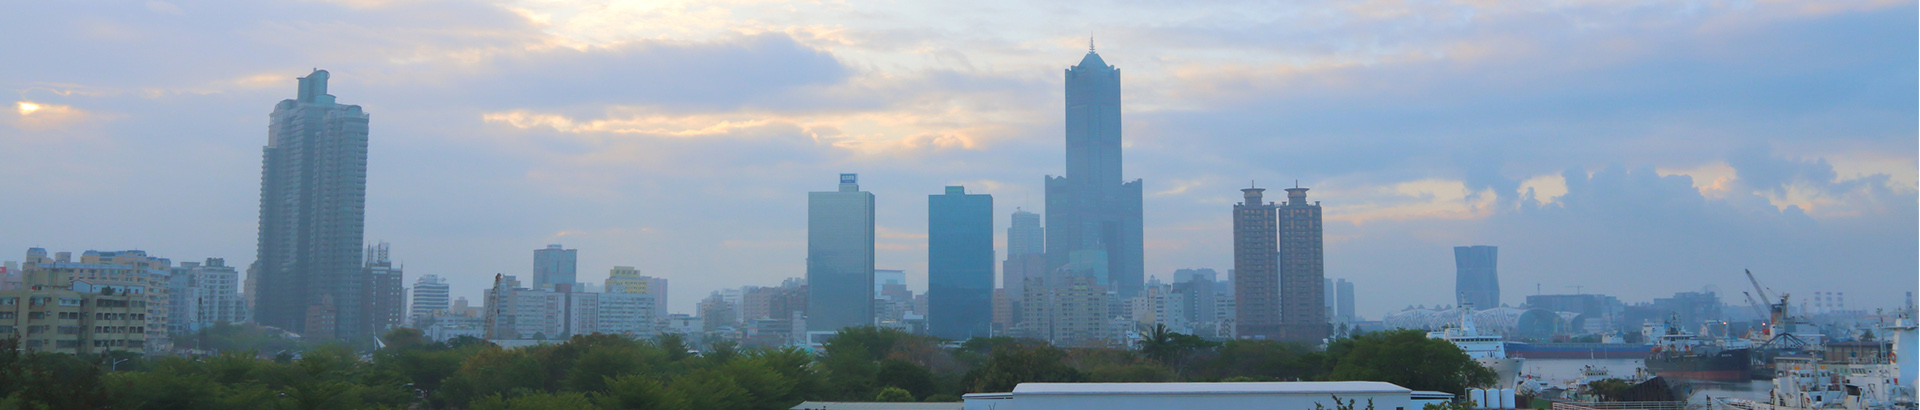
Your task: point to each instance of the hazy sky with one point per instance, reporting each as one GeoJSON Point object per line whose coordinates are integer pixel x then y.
{"type": "Point", "coordinates": [1633, 148]}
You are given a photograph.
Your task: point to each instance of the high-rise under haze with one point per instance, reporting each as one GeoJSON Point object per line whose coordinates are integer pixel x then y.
{"type": "Point", "coordinates": [313, 199]}
{"type": "Point", "coordinates": [1477, 275]}
{"type": "Point", "coordinates": [554, 265]}
{"type": "Point", "coordinates": [430, 294]}
{"type": "Point", "coordinates": [1303, 305]}
{"type": "Point", "coordinates": [840, 257]}
{"type": "Point", "coordinates": [386, 294]}
{"type": "Point", "coordinates": [1256, 268]}
{"type": "Point", "coordinates": [1093, 217]}
{"type": "Point", "coordinates": [959, 264]}
{"type": "Point", "coordinates": [1026, 258]}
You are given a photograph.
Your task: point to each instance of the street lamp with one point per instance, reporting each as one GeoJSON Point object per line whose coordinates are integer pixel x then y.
{"type": "Point", "coordinates": [116, 364]}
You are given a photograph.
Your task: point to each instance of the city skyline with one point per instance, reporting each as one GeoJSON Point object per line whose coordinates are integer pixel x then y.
{"type": "Point", "coordinates": [1504, 148]}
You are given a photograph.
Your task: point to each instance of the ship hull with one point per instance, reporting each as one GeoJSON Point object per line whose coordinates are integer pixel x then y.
{"type": "Point", "coordinates": [1507, 369]}
{"type": "Point", "coordinates": [1730, 365]}
{"type": "Point", "coordinates": [1579, 350]}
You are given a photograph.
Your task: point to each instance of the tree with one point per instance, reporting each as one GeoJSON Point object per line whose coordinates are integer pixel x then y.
{"type": "Point", "coordinates": [712, 390]}
{"type": "Point", "coordinates": [636, 392]}
{"type": "Point", "coordinates": [1014, 364]}
{"type": "Point", "coordinates": [895, 373]}
{"type": "Point", "coordinates": [405, 337]}
{"type": "Point", "coordinates": [1408, 358]}
{"type": "Point", "coordinates": [1172, 349]}
{"type": "Point", "coordinates": [1250, 360]}
{"type": "Point", "coordinates": [893, 394]}
{"type": "Point", "coordinates": [539, 401]}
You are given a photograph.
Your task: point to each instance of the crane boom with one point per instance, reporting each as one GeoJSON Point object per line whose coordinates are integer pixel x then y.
{"type": "Point", "coordinates": [1757, 306]}
{"type": "Point", "coordinates": [1756, 286]}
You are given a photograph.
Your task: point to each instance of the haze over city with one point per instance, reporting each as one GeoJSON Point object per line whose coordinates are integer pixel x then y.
{"type": "Point", "coordinates": [1629, 149]}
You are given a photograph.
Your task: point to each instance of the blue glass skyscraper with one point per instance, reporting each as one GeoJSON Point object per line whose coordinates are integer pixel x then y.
{"type": "Point", "coordinates": [959, 264]}
{"type": "Point", "coordinates": [1477, 275]}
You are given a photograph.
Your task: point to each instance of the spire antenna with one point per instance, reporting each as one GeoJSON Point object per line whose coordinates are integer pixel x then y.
{"type": "Point", "coordinates": [1089, 43]}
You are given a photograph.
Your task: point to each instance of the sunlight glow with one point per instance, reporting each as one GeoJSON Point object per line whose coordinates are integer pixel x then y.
{"type": "Point", "coordinates": [27, 108]}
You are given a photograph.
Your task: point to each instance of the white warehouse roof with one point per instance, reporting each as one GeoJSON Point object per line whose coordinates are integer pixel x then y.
{"type": "Point", "coordinates": [1210, 388]}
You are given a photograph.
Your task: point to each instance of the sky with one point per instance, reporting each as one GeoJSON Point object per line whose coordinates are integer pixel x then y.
{"type": "Point", "coordinates": [1630, 148]}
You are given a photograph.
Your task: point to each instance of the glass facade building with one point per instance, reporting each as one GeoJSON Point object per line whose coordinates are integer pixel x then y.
{"type": "Point", "coordinates": [959, 264]}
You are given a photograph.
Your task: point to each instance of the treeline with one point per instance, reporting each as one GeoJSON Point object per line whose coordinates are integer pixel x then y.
{"type": "Point", "coordinates": [613, 372]}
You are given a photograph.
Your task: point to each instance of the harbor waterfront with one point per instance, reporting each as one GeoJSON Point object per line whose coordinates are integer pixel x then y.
{"type": "Point", "coordinates": [1560, 371]}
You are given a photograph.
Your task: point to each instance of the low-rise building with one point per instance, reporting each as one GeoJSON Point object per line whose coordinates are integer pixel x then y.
{"type": "Point", "coordinates": [52, 312]}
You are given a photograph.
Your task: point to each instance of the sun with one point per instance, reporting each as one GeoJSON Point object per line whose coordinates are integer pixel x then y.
{"type": "Point", "coordinates": [27, 108]}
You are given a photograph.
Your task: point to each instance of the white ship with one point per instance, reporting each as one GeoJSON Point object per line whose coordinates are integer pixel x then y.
{"type": "Point", "coordinates": [1804, 383]}
{"type": "Point", "coordinates": [1488, 349]}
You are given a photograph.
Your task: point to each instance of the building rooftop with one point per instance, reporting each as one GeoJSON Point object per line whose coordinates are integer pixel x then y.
{"type": "Point", "coordinates": [1209, 388]}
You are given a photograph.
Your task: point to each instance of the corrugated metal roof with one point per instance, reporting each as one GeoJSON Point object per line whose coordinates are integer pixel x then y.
{"type": "Point", "coordinates": [836, 405]}
{"type": "Point", "coordinates": [1209, 388]}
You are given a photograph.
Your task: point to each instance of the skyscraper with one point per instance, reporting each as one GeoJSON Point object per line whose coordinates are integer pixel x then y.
{"type": "Point", "coordinates": [627, 279]}
{"type": "Point", "coordinates": [959, 264]}
{"type": "Point", "coordinates": [1256, 268]}
{"type": "Point", "coordinates": [554, 266]}
{"type": "Point", "coordinates": [203, 295]}
{"type": "Point", "coordinates": [1343, 309]}
{"type": "Point", "coordinates": [313, 198]}
{"type": "Point", "coordinates": [385, 293]}
{"type": "Point", "coordinates": [1026, 258]}
{"type": "Point", "coordinates": [430, 294]}
{"type": "Point", "coordinates": [1093, 217]}
{"type": "Point", "coordinates": [840, 257]}
{"type": "Point", "coordinates": [1303, 306]}
{"type": "Point", "coordinates": [1477, 275]}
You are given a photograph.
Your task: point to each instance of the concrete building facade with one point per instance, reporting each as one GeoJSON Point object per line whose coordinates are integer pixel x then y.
{"type": "Point", "coordinates": [53, 312]}
{"type": "Point", "coordinates": [430, 296]}
{"type": "Point", "coordinates": [1303, 305]}
{"type": "Point", "coordinates": [204, 294]}
{"type": "Point", "coordinates": [554, 265]}
{"type": "Point", "coordinates": [1256, 267]}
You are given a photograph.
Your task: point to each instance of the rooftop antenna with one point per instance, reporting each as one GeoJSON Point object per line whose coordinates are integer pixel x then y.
{"type": "Point", "coordinates": [1089, 43]}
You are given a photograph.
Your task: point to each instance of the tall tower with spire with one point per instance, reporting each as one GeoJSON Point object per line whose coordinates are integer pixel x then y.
{"type": "Point", "coordinates": [1093, 216]}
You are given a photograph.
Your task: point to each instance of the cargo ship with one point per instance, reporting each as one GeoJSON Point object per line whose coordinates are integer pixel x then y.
{"type": "Point", "coordinates": [1579, 350]}
{"type": "Point", "coordinates": [1678, 355]}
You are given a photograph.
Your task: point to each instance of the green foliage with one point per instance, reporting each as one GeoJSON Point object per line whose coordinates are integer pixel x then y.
{"type": "Point", "coordinates": [1610, 389]}
{"type": "Point", "coordinates": [1407, 358]}
{"type": "Point", "coordinates": [710, 389]}
{"type": "Point", "coordinates": [1260, 360]}
{"type": "Point", "coordinates": [538, 401]}
{"type": "Point", "coordinates": [900, 374]}
{"type": "Point", "coordinates": [1448, 406]}
{"type": "Point", "coordinates": [893, 394]}
{"type": "Point", "coordinates": [1173, 349]}
{"type": "Point", "coordinates": [1014, 364]}
{"type": "Point", "coordinates": [638, 393]}
{"type": "Point", "coordinates": [616, 372]}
